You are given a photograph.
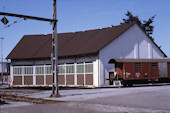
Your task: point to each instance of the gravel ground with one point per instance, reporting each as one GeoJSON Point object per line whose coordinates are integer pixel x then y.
{"type": "Point", "coordinates": [74, 107]}
{"type": "Point", "coordinates": [155, 99]}
{"type": "Point", "coordinates": [9, 104]}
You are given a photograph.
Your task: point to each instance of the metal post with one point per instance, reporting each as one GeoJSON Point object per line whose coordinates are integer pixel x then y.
{"type": "Point", "coordinates": [55, 55]}
{"type": "Point", "coordinates": [2, 58]}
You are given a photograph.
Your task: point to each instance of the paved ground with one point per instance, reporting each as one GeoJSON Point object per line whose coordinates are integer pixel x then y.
{"type": "Point", "coordinates": [136, 99]}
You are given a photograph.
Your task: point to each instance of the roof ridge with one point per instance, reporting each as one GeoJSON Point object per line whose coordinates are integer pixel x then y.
{"type": "Point", "coordinates": [83, 30]}
{"type": "Point", "coordinates": [96, 28]}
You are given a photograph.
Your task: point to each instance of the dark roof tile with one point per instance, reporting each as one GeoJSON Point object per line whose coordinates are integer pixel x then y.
{"type": "Point", "coordinates": [70, 44]}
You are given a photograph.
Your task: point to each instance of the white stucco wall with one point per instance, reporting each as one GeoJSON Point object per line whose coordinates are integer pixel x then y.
{"type": "Point", "coordinates": [133, 43]}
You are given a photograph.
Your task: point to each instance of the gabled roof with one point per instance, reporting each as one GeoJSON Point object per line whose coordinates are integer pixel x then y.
{"type": "Point", "coordinates": [69, 44]}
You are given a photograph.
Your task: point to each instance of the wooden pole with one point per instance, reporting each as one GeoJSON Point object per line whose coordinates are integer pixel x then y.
{"type": "Point", "coordinates": [2, 59]}
{"type": "Point", "coordinates": [55, 54]}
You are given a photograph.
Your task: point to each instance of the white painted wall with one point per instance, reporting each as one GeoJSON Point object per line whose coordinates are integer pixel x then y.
{"type": "Point", "coordinates": [96, 73]}
{"type": "Point", "coordinates": [11, 75]}
{"type": "Point", "coordinates": [133, 43]}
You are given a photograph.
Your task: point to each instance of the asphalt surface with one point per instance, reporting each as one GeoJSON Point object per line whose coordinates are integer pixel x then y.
{"type": "Point", "coordinates": [152, 99]}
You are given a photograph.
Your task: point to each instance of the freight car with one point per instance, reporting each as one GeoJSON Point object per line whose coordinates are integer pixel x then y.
{"type": "Point", "coordinates": [139, 71]}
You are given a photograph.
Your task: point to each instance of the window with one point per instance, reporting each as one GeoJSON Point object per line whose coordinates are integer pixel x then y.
{"type": "Point", "coordinates": [61, 69]}
{"type": "Point", "coordinates": [17, 70]}
{"type": "Point", "coordinates": [137, 66]}
{"type": "Point", "coordinates": [89, 68]}
{"type": "Point", "coordinates": [153, 65]}
{"type": "Point", "coordinates": [39, 70]}
{"type": "Point", "coordinates": [80, 68]}
{"type": "Point", "coordinates": [70, 68]}
{"type": "Point", "coordinates": [48, 70]}
{"type": "Point", "coordinates": [28, 70]}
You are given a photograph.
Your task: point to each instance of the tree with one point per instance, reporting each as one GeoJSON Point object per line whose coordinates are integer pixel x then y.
{"type": "Point", "coordinates": [145, 25]}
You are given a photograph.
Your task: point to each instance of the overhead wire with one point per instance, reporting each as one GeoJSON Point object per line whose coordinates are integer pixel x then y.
{"type": "Point", "coordinates": [15, 22]}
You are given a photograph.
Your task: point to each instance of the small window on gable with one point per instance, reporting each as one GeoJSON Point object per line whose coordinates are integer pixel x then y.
{"type": "Point", "coordinates": [153, 65]}
{"type": "Point", "coordinates": [137, 66]}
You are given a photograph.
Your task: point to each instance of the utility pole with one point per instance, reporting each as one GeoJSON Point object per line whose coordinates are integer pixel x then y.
{"type": "Point", "coordinates": [2, 59]}
{"type": "Point", "coordinates": [54, 56]}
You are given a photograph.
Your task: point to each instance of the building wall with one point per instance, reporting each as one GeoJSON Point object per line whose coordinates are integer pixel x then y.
{"type": "Point", "coordinates": [6, 66]}
{"type": "Point", "coordinates": [74, 61]}
{"type": "Point", "coordinates": [48, 61]}
{"type": "Point", "coordinates": [133, 43]}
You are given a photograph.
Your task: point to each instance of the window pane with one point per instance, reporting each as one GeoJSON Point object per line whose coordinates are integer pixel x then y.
{"type": "Point", "coordinates": [61, 69]}
{"type": "Point", "coordinates": [48, 70]}
{"type": "Point", "coordinates": [80, 68]}
{"type": "Point", "coordinates": [70, 69]}
{"type": "Point", "coordinates": [17, 70]}
{"type": "Point", "coordinates": [89, 68]}
{"type": "Point", "coordinates": [28, 70]}
{"type": "Point", "coordinates": [137, 66]}
{"type": "Point", "coordinates": [39, 70]}
{"type": "Point", "coordinates": [153, 65]}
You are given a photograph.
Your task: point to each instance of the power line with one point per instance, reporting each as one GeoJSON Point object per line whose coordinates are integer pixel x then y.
{"type": "Point", "coordinates": [15, 22]}
{"type": "Point", "coordinates": [54, 56]}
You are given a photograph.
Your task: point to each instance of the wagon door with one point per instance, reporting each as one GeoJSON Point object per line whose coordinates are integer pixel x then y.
{"type": "Point", "coordinates": [137, 71]}
{"type": "Point", "coordinates": [154, 71]}
{"type": "Point", "coordinates": [163, 70]}
{"type": "Point", "coordinates": [145, 71]}
{"type": "Point", "coordinates": [118, 69]}
{"type": "Point", "coordinates": [129, 71]}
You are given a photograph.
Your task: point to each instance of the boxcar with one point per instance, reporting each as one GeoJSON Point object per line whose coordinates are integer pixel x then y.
{"type": "Point", "coordinates": [138, 71]}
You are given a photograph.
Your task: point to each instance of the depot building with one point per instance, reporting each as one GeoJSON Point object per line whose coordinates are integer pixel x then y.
{"type": "Point", "coordinates": [83, 56]}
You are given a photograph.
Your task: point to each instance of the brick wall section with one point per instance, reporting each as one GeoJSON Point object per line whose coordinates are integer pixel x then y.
{"type": "Point", "coordinates": [49, 79]}
{"type": "Point", "coordinates": [28, 80]}
{"type": "Point", "coordinates": [80, 79]}
{"type": "Point", "coordinates": [40, 80]}
{"type": "Point", "coordinates": [17, 80]}
{"type": "Point", "coordinates": [61, 80]}
{"type": "Point", "coordinates": [70, 79]}
{"type": "Point", "coordinates": [89, 79]}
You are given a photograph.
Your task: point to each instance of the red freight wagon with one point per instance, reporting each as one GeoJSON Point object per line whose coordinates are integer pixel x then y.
{"type": "Point", "coordinates": [164, 71]}
{"type": "Point", "coordinates": [168, 69]}
{"type": "Point", "coordinates": [135, 71]}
